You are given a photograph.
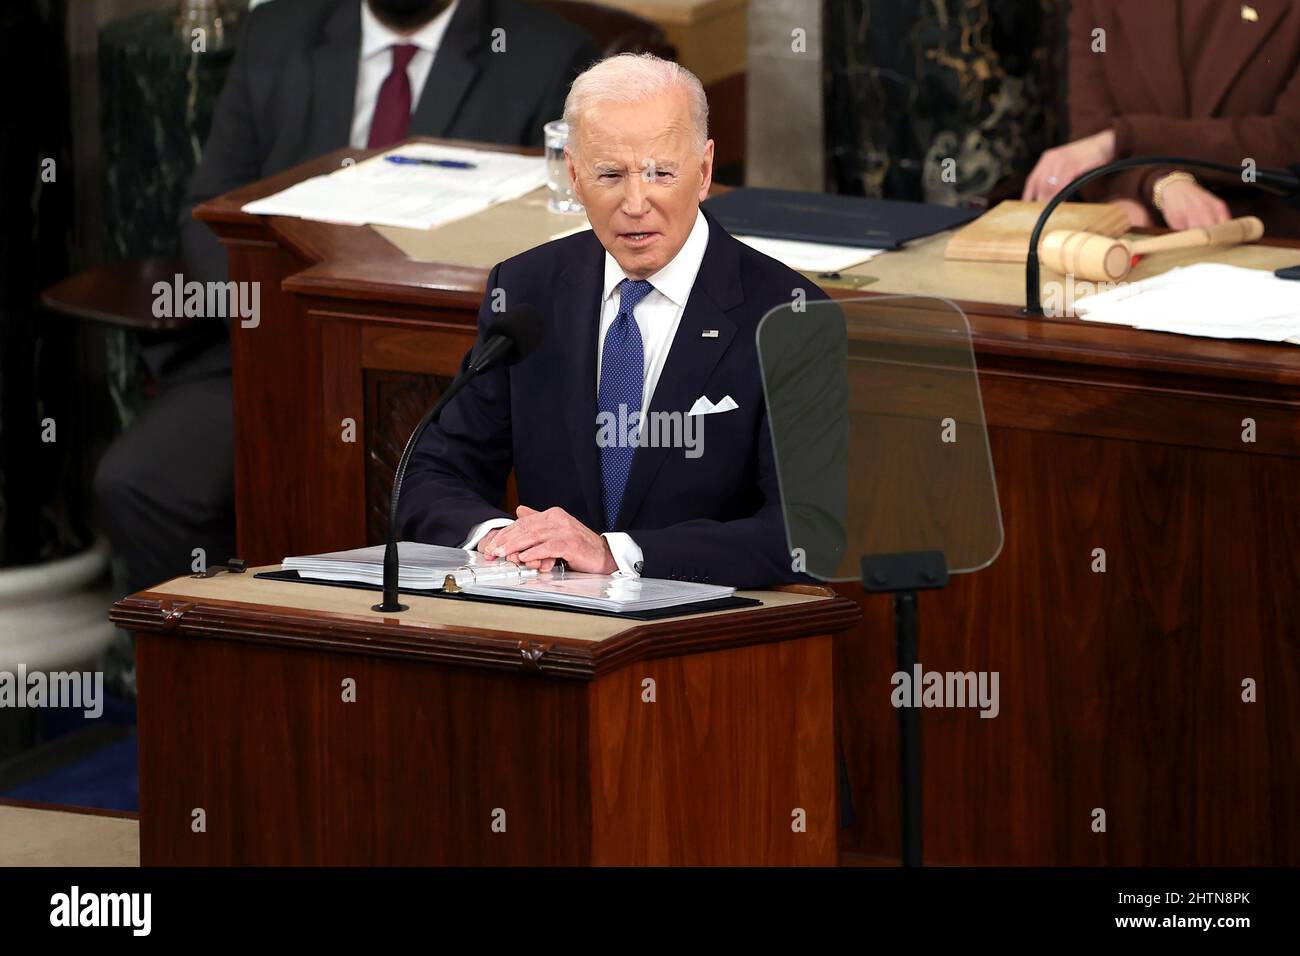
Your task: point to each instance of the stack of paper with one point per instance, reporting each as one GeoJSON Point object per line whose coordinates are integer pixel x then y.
{"type": "Point", "coordinates": [411, 196]}
{"type": "Point", "coordinates": [424, 567]}
{"type": "Point", "coordinates": [1208, 299]}
{"type": "Point", "coordinates": [603, 592]}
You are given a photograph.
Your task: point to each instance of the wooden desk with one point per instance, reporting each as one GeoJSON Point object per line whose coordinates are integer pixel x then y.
{"type": "Point", "coordinates": [480, 733]}
{"type": "Point", "coordinates": [1119, 690]}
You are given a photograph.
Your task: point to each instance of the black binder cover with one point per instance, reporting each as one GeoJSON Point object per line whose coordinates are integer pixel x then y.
{"type": "Point", "coordinates": [837, 220]}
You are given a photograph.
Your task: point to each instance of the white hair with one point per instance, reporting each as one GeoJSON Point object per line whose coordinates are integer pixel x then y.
{"type": "Point", "coordinates": [629, 77]}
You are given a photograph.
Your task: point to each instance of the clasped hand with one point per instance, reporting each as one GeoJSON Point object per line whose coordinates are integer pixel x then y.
{"type": "Point", "coordinates": [539, 538]}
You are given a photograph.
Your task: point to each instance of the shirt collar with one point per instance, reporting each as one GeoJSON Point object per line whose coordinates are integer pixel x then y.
{"type": "Point", "coordinates": [376, 38]}
{"type": "Point", "coordinates": [673, 281]}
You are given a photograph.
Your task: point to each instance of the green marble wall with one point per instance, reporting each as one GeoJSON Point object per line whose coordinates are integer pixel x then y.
{"type": "Point", "coordinates": [910, 83]}
{"type": "Point", "coordinates": [157, 96]}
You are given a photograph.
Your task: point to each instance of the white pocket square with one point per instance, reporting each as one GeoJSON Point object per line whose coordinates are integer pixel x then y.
{"type": "Point", "coordinates": [703, 406]}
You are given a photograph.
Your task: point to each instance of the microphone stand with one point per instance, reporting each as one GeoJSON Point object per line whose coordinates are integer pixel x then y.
{"type": "Point", "coordinates": [509, 339]}
{"type": "Point", "coordinates": [1285, 182]}
{"type": "Point", "coordinates": [390, 604]}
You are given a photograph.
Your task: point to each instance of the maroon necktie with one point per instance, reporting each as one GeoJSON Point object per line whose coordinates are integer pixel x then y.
{"type": "Point", "coordinates": [393, 108]}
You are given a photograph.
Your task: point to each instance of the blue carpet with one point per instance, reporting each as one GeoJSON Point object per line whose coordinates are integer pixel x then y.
{"type": "Point", "coordinates": [57, 721]}
{"type": "Point", "coordinates": [107, 779]}
{"type": "Point", "coordinates": [84, 762]}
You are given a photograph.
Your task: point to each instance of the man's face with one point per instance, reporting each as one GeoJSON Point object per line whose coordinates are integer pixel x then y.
{"type": "Point", "coordinates": [406, 15]}
{"type": "Point", "coordinates": [637, 171]}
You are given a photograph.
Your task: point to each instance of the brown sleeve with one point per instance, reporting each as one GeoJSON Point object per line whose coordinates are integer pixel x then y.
{"type": "Point", "coordinates": [1092, 107]}
{"type": "Point", "coordinates": [1270, 140]}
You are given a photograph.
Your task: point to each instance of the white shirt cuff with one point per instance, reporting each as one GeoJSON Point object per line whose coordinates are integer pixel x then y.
{"type": "Point", "coordinates": [477, 532]}
{"type": "Point", "coordinates": [626, 554]}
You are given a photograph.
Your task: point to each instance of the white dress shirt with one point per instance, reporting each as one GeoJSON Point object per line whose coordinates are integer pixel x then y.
{"type": "Point", "coordinates": [376, 63]}
{"type": "Point", "coordinates": [657, 316]}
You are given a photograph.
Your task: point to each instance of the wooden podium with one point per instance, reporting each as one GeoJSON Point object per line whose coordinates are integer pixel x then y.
{"type": "Point", "coordinates": [287, 723]}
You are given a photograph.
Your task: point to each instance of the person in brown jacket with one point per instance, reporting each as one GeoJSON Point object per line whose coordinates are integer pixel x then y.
{"type": "Point", "coordinates": [1207, 79]}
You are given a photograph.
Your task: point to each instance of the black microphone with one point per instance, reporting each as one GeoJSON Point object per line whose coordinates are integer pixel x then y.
{"type": "Point", "coordinates": [508, 339]}
{"type": "Point", "coordinates": [1285, 183]}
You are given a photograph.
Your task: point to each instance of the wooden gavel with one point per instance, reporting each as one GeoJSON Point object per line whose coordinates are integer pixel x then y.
{"type": "Point", "coordinates": [1097, 258]}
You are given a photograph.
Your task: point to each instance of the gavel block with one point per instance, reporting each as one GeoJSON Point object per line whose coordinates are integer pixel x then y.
{"type": "Point", "coordinates": [1098, 258]}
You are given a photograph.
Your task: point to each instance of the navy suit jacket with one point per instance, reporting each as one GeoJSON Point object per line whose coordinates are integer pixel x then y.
{"type": "Point", "coordinates": [714, 518]}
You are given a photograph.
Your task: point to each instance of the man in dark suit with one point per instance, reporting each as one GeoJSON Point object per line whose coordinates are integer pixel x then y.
{"type": "Point", "coordinates": [651, 320]}
{"type": "Point", "coordinates": [310, 77]}
{"type": "Point", "coordinates": [305, 82]}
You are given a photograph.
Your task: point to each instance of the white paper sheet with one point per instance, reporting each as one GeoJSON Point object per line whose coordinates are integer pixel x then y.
{"type": "Point", "coordinates": [1207, 299]}
{"type": "Point", "coordinates": [604, 592]}
{"type": "Point", "coordinates": [810, 256]}
{"type": "Point", "coordinates": [415, 197]}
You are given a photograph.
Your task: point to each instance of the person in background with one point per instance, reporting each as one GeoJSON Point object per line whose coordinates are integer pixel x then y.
{"type": "Point", "coordinates": [1206, 79]}
{"type": "Point", "coordinates": [311, 77]}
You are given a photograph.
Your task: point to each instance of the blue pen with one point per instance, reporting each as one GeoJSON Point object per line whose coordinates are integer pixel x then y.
{"type": "Point", "coordinates": [440, 163]}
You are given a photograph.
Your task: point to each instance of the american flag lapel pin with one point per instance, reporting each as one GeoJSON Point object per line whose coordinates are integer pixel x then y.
{"type": "Point", "coordinates": [709, 334]}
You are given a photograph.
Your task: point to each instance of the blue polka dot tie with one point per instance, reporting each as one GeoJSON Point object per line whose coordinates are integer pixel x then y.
{"type": "Point", "coordinates": [622, 377]}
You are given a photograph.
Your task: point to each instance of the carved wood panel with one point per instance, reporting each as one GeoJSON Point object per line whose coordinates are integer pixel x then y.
{"type": "Point", "coordinates": [395, 402]}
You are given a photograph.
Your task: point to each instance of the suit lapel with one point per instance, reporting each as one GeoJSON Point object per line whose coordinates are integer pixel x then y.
{"type": "Point", "coordinates": [577, 318]}
{"type": "Point", "coordinates": [453, 70]}
{"type": "Point", "coordinates": [691, 357]}
{"type": "Point", "coordinates": [334, 80]}
{"type": "Point", "coordinates": [1235, 41]}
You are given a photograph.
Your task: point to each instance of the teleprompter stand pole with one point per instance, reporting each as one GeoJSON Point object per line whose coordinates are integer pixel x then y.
{"type": "Point", "coordinates": [902, 575]}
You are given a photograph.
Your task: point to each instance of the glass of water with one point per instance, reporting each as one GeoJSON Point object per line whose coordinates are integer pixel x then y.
{"type": "Point", "coordinates": [557, 169]}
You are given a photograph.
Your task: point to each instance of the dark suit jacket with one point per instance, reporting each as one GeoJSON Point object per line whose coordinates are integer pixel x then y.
{"type": "Point", "coordinates": [1192, 78]}
{"type": "Point", "coordinates": [715, 518]}
{"type": "Point", "coordinates": [291, 88]}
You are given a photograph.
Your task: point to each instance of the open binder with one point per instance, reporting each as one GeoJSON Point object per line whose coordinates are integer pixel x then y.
{"type": "Point", "coordinates": [441, 571]}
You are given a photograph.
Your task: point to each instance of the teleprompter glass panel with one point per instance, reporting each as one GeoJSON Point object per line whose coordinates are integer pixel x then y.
{"type": "Point", "coordinates": [878, 433]}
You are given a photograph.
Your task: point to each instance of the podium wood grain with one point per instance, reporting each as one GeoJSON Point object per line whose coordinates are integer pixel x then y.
{"type": "Point", "coordinates": [479, 734]}
{"type": "Point", "coordinates": [1121, 690]}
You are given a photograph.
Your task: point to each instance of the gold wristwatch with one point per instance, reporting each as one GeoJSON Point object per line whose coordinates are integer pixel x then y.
{"type": "Point", "coordinates": [1158, 190]}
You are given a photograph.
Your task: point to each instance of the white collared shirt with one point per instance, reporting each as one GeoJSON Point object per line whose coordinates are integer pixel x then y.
{"type": "Point", "coordinates": [657, 316]}
{"type": "Point", "coordinates": [376, 63]}
{"type": "Point", "coordinates": [660, 312]}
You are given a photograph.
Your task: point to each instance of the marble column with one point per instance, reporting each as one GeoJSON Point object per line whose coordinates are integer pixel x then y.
{"type": "Point", "coordinates": [784, 116]}
{"type": "Point", "coordinates": [909, 85]}
{"type": "Point", "coordinates": [157, 96]}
